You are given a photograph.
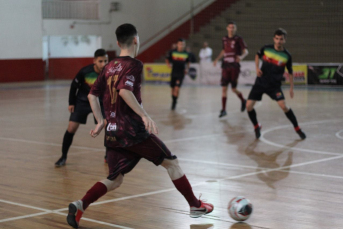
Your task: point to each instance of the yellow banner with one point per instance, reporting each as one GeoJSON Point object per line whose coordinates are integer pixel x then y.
{"type": "Point", "coordinates": [156, 72]}
{"type": "Point", "coordinates": [299, 74]}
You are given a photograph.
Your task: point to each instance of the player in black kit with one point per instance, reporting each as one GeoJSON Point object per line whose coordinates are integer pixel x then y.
{"type": "Point", "coordinates": [79, 106]}
{"type": "Point", "coordinates": [179, 58]}
{"type": "Point", "coordinates": [274, 60]}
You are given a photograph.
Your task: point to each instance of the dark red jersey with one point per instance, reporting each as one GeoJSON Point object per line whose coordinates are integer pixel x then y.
{"type": "Point", "coordinates": [232, 47]}
{"type": "Point", "coordinates": [125, 127]}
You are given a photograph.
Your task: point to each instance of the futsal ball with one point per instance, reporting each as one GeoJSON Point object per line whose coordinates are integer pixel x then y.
{"type": "Point", "coordinates": [240, 208]}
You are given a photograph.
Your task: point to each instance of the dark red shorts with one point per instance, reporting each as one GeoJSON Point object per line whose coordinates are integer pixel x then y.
{"type": "Point", "coordinates": [122, 160]}
{"type": "Point", "coordinates": [229, 75]}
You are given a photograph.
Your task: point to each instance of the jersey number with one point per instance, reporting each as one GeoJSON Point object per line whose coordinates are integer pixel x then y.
{"type": "Point", "coordinates": [113, 91]}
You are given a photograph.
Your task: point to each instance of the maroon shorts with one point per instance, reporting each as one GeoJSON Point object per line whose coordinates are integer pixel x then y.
{"type": "Point", "coordinates": [229, 75]}
{"type": "Point", "coordinates": [122, 160]}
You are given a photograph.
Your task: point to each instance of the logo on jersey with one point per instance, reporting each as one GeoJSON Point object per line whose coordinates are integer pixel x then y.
{"type": "Point", "coordinates": [117, 68]}
{"type": "Point", "coordinates": [113, 114]}
{"type": "Point", "coordinates": [111, 127]}
{"type": "Point", "coordinates": [131, 77]}
{"type": "Point", "coordinates": [129, 83]}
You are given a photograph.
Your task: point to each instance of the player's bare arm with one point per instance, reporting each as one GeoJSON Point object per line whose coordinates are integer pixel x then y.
{"type": "Point", "coordinates": [245, 52]}
{"type": "Point", "coordinates": [257, 65]}
{"type": "Point", "coordinates": [221, 54]}
{"type": "Point", "coordinates": [132, 102]}
{"type": "Point", "coordinates": [187, 68]}
{"type": "Point", "coordinates": [168, 63]}
{"type": "Point", "coordinates": [291, 92]}
{"type": "Point", "coordinates": [95, 105]}
{"type": "Point", "coordinates": [71, 108]}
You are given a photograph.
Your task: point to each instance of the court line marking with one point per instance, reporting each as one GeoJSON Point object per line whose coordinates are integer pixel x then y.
{"type": "Point", "coordinates": [24, 216]}
{"type": "Point", "coordinates": [338, 134]}
{"type": "Point", "coordinates": [263, 139]}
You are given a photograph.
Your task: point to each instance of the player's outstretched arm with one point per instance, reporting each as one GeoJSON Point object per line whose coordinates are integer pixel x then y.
{"type": "Point", "coordinates": [257, 65]}
{"type": "Point", "coordinates": [221, 54]}
{"type": "Point", "coordinates": [95, 105]}
{"type": "Point", "coordinates": [132, 102]}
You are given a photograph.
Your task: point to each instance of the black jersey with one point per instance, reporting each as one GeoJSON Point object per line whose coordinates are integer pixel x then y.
{"type": "Point", "coordinates": [82, 84]}
{"type": "Point", "coordinates": [179, 60]}
{"type": "Point", "coordinates": [273, 65]}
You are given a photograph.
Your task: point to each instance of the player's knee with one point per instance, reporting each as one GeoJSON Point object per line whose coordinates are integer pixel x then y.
{"type": "Point", "coordinates": [234, 90]}
{"type": "Point", "coordinates": [249, 106]}
{"type": "Point", "coordinates": [167, 163]}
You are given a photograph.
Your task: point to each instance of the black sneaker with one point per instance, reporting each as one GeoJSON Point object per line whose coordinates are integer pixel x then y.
{"type": "Point", "coordinates": [222, 113]}
{"type": "Point", "coordinates": [301, 134]}
{"type": "Point", "coordinates": [61, 162]}
{"type": "Point", "coordinates": [243, 105]}
{"type": "Point", "coordinates": [258, 131]}
{"type": "Point", "coordinates": [173, 105]}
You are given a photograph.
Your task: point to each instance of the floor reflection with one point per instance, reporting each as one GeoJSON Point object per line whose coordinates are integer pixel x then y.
{"type": "Point", "coordinates": [176, 120]}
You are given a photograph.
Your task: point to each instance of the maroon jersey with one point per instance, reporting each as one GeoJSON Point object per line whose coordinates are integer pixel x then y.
{"type": "Point", "coordinates": [232, 47]}
{"type": "Point", "coordinates": [125, 127]}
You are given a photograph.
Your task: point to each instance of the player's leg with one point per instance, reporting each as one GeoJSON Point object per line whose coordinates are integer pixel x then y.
{"type": "Point", "coordinates": [224, 82]}
{"type": "Point", "coordinates": [67, 140]}
{"type": "Point", "coordinates": [120, 162]}
{"type": "Point", "coordinates": [154, 150]}
{"type": "Point", "coordinates": [177, 82]}
{"type": "Point", "coordinates": [254, 95]}
{"type": "Point", "coordinates": [234, 81]}
{"type": "Point", "coordinates": [290, 115]}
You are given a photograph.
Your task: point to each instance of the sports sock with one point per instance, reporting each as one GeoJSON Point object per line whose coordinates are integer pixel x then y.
{"type": "Point", "coordinates": [184, 187]}
{"type": "Point", "coordinates": [67, 140]}
{"type": "Point", "coordinates": [253, 118]}
{"type": "Point", "coordinates": [97, 191]}
{"type": "Point", "coordinates": [240, 96]}
{"type": "Point", "coordinates": [174, 98]}
{"type": "Point", "coordinates": [224, 103]}
{"type": "Point", "coordinates": [290, 115]}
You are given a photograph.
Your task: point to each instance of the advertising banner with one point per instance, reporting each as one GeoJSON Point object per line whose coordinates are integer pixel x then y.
{"type": "Point", "coordinates": [330, 74]}
{"type": "Point", "coordinates": [299, 75]}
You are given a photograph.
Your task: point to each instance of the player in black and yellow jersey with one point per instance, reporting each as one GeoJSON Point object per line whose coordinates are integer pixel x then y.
{"type": "Point", "coordinates": [79, 106]}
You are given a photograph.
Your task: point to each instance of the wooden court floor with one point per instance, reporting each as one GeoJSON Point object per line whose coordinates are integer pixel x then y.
{"type": "Point", "coordinates": [291, 183]}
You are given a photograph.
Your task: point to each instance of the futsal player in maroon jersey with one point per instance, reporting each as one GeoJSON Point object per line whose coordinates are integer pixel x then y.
{"type": "Point", "coordinates": [129, 130]}
{"type": "Point", "coordinates": [234, 50]}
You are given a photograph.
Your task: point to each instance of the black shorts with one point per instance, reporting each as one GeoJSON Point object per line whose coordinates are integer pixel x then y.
{"type": "Point", "coordinates": [122, 160]}
{"type": "Point", "coordinates": [81, 112]}
{"type": "Point", "coordinates": [274, 92]}
{"type": "Point", "coordinates": [176, 79]}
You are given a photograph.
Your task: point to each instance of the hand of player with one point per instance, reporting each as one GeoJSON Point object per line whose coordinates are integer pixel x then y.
{"type": "Point", "coordinates": [259, 72]}
{"type": "Point", "coordinates": [186, 71]}
{"type": "Point", "coordinates": [214, 63]}
{"type": "Point", "coordinates": [169, 66]}
{"type": "Point", "coordinates": [71, 108]}
{"type": "Point", "coordinates": [97, 130]}
{"type": "Point", "coordinates": [238, 59]}
{"type": "Point", "coordinates": [150, 125]}
{"type": "Point", "coordinates": [291, 92]}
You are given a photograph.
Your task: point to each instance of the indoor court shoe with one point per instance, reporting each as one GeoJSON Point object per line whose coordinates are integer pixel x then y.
{"type": "Point", "coordinates": [243, 105]}
{"type": "Point", "coordinates": [258, 131]}
{"type": "Point", "coordinates": [222, 113]}
{"type": "Point", "coordinates": [75, 213]}
{"type": "Point", "coordinates": [301, 134]}
{"type": "Point", "coordinates": [204, 209]}
{"type": "Point", "coordinates": [61, 162]}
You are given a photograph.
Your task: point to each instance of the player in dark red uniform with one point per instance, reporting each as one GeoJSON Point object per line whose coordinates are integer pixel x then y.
{"type": "Point", "coordinates": [79, 107]}
{"type": "Point", "coordinates": [128, 134]}
{"type": "Point", "coordinates": [234, 50]}
{"type": "Point", "coordinates": [179, 58]}
{"type": "Point", "coordinates": [274, 60]}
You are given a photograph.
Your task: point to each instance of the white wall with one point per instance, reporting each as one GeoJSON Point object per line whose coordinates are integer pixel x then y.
{"type": "Point", "coordinates": [20, 29]}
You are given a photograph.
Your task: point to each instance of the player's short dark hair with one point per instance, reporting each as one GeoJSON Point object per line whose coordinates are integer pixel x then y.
{"type": "Point", "coordinates": [125, 34]}
{"type": "Point", "coordinates": [181, 39]}
{"type": "Point", "coordinates": [231, 23]}
{"type": "Point", "coordinates": [280, 32]}
{"type": "Point", "coordinates": [100, 52]}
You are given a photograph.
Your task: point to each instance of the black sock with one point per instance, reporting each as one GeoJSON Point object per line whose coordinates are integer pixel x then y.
{"type": "Point", "coordinates": [67, 140]}
{"type": "Point", "coordinates": [174, 98]}
{"type": "Point", "coordinates": [252, 116]}
{"type": "Point", "coordinates": [290, 115]}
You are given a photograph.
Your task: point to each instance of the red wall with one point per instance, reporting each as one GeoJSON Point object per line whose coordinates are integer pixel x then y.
{"type": "Point", "coordinates": [203, 17]}
{"type": "Point", "coordinates": [66, 68]}
{"type": "Point", "coordinates": [18, 70]}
